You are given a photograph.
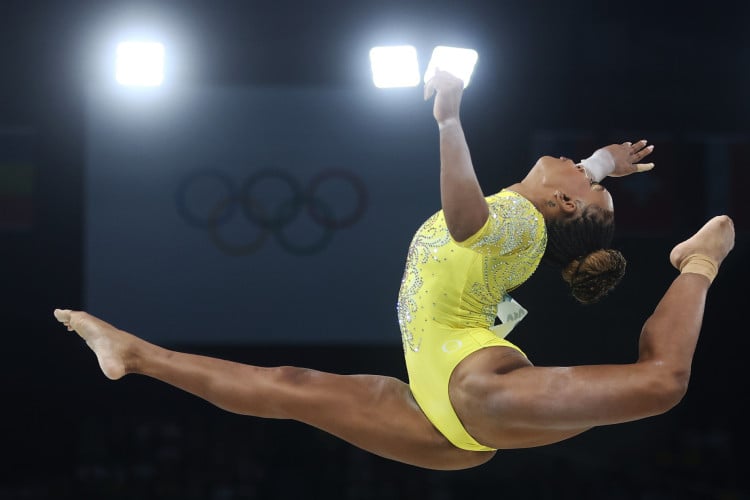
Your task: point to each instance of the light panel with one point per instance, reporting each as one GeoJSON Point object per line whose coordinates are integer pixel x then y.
{"type": "Point", "coordinates": [394, 66]}
{"type": "Point", "coordinates": [457, 61]}
{"type": "Point", "coordinates": [140, 64]}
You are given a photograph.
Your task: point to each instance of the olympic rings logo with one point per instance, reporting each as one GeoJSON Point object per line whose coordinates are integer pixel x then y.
{"type": "Point", "coordinates": [266, 220]}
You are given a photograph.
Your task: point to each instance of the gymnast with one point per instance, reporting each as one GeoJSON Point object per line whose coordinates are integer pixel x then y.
{"type": "Point", "coordinates": [472, 392]}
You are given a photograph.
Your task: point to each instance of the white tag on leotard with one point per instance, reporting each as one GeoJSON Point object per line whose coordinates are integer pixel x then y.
{"type": "Point", "coordinates": [510, 314]}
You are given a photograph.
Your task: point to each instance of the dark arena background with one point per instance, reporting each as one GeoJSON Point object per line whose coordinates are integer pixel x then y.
{"type": "Point", "coordinates": [103, 207]}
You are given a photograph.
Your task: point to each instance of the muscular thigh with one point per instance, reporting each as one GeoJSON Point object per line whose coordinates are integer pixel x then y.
{"type": "Point", "coordinates": [506, 402]}
{"type": "Point", "coordinates": [378, 414]}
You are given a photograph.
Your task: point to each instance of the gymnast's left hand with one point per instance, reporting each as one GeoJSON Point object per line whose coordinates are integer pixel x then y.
{"type": "Point", "coordinates": [628, 157]}
{"type": "Point", "coordinates": [448, 90]}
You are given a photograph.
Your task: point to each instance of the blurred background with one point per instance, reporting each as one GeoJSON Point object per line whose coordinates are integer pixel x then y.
{"type": "Point", "coordinates": [124, 202]}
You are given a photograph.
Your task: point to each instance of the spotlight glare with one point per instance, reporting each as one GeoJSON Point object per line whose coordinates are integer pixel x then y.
{"type": "Point", "coordinates": [457, 61]}
{"type": "Point", "coordinates": [394, 66]}
{"type": "Point", "coordinates": [140, 64]}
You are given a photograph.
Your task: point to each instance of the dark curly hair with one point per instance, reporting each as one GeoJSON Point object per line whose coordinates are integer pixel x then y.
{"type": "Point", "coordinates": [579, 246]}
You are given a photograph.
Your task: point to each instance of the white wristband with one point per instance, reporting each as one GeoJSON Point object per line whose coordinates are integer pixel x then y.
{"type": "Point", "coordinates": [599, 165]}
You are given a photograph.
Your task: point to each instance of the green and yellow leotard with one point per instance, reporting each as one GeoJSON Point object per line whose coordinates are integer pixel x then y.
{"type": "Point", "coordinates": [449, 296]}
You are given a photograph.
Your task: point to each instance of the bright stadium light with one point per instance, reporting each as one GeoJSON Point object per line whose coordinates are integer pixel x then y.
{"type": "Point", "coordinates": [454, 60]}
{"type": "Point", "coordinates": [140, 64]}
{"type": "Point", "coordinates": [394, 66]}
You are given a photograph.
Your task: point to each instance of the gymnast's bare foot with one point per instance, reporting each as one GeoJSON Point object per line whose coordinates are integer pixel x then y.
{"type": "Point", "coordinates": [714, 240]}
{"type": "Point", "coordinates": [113, 347]}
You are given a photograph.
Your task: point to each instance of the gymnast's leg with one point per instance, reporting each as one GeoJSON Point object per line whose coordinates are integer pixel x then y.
{"type": "Point", "coordinates": [375, 413]}
{"type": "Point", "coordinates": [505, 402]}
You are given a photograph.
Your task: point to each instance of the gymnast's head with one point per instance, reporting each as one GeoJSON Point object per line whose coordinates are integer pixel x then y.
{"type": "Point", "coordinates": [580, 219]}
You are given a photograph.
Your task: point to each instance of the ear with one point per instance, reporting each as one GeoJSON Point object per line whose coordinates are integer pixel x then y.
{"type": "Point", "coordinates": [567, 205]}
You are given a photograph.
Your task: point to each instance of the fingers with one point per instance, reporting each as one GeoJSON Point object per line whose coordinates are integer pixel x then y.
{"type": "Point", "coordinates": [429, 88]}
{"type": "Point", "coordinates": [441, 80]}
{"type": "Point", "coordinates": [62, 315]}
{"type": "Point", "coordinates": [638, 151]}
{"type": "Point", "coordinates": [641, 148]}
{"type": "Point", "coordinates": [643, 167]}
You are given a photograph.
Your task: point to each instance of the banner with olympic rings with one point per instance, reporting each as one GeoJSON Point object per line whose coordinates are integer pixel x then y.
{"type": "Point", "coordinates": [255, 215]}
{"type": "Point", "coordinates": [275, 220]}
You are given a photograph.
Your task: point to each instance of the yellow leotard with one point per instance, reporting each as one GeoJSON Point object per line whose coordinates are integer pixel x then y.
{"type": "Point", "coordinates": [449, 295]}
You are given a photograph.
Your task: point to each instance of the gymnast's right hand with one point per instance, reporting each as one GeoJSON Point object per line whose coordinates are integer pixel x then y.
{"type": "Point", "coordinates": [448, 90]}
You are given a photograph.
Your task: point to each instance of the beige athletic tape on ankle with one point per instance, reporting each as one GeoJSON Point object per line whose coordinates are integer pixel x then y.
{"type": "Point", "coordinates": [699, 264]}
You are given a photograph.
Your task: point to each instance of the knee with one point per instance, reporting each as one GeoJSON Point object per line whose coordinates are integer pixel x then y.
{"type": "Point", "coordinates": [282, 390]}
{"type": "Point", "coordinates": [299, 391]}
{"type": "Point", "coordinates": [292, 375]}
{"type": "Point", "coordinates": [666, 386]}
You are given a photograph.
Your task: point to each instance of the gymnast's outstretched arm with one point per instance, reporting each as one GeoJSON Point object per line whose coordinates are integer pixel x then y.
{"type": "Point", "coordinates": [461, 195]}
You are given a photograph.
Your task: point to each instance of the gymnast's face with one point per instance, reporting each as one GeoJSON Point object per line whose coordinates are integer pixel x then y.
{"type": "Point", "coordinates": [568, 184]}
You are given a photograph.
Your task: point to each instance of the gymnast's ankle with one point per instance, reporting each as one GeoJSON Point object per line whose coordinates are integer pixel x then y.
{"type": "Point", "coordinates": [698, 263]}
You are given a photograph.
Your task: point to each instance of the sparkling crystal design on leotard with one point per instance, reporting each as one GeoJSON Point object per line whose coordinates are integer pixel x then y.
{"type": "Point", "coordinates": [430, 236]}
{"type": "Point", "coordinates": [507, 263]}
{"type": "Point", "coordinates": [506, 254]}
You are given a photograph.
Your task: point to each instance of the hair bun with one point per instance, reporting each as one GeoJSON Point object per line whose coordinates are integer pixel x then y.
{"type": "Point", "coordinates": [595, 275]}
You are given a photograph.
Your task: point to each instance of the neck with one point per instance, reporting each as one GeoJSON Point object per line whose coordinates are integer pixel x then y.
{"type": "Point", "coordinates": [530, 194]}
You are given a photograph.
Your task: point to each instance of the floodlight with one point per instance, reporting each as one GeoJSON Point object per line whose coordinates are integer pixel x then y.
{"type": "Point", "coordinates": [454, 60]}
{"type": "Point", "coordinates": [394, 66]}
{"type": "Point", "coordinates": [140, 64]}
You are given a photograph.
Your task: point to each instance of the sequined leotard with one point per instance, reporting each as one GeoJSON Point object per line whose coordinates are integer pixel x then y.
{"type": "Point", "coordinates": [449, 295]}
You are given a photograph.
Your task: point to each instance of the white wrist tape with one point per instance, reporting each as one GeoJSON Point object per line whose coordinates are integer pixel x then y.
{"type": "Point", "coordinates": [599, 165]}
